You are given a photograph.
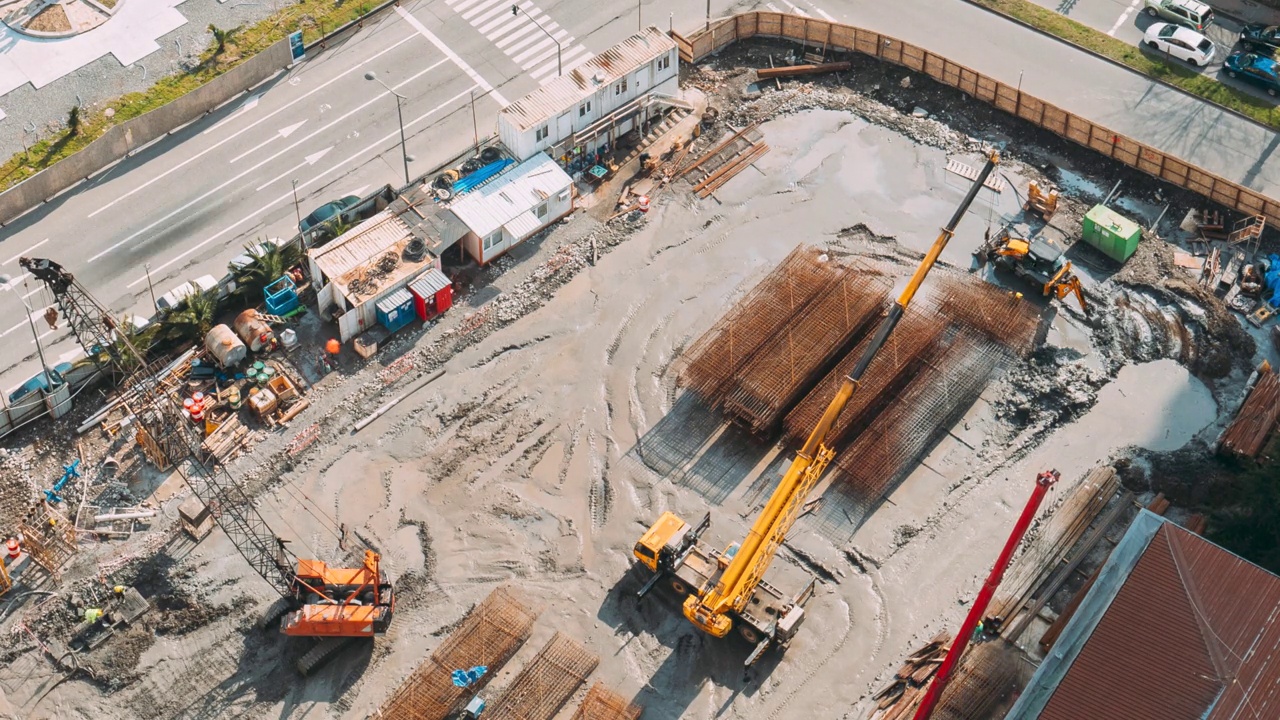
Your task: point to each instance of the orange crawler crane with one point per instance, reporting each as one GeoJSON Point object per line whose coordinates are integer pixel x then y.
{"type": "Point", "coordinates": [724, 590]}
{"type": "Point", "coordinates": [332, 605]}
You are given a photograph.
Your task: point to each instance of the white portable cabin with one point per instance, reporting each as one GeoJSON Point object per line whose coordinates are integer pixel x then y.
{"type": "Point", "coordinates": [508, 209]}
{"type": "Point", "coordinates": [597, 101]}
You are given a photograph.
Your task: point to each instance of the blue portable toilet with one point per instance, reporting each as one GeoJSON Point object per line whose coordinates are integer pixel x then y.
{"type": "Point", "coordinates": [396, 310]}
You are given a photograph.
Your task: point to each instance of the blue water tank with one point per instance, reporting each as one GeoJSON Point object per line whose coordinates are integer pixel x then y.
{"type": "Point", "coordinates": [396, 310]}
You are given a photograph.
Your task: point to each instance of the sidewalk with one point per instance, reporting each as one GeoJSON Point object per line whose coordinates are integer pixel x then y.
{"type": "Point", "coordinates": [1247, 11]}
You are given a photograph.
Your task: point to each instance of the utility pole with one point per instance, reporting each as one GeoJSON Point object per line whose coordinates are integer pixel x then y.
{"type": "Point", "coordinates": [639, 19]}
{"type": "Point", "coordinates": [298, 213]}
{"type": "Point", "coordinates": [708, 14]}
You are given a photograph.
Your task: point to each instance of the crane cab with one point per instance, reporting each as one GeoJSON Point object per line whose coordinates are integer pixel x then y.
{"type": "Point", "coordinates": [666, 540]}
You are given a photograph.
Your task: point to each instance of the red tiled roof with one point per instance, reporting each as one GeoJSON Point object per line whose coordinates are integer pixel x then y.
{"type": "Point", "coordinates": [1193, 633]}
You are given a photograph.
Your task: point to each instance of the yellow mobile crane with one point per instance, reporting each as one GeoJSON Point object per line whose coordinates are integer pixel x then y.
{"type": "Point", "coordinates": [724, 589]}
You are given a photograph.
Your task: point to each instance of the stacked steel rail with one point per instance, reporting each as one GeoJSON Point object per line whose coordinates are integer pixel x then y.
{"type": "Point", "coordinates": [1248, 432]}
{"type": "Point", "coordinates": [489, 635]}
{"type": "Point", "coordinates": [601, 703]}
{"type": "Point", "coordinates": [547, 682]}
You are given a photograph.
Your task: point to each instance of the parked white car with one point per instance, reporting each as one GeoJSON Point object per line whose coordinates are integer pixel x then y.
{"type": "Point", "coordinates": [174, 297]}
{"type": "Point", "coordinates": [1180, 42]}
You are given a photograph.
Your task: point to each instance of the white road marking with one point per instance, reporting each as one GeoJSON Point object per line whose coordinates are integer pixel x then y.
{"type": "Point", "coordinates": [1123, 17]}
{"type": "Point", "coordinates": [535, 52]}
{"type": "Point", "coordinates": [524, 30]}
{"type": "Point", "coordinates": [29, 293]}
{"type": "Point", "coordinates": [288, 197]}
{"type": "Point", "coordinates": [43, 335]}
{"type": "Point", "coordinates": [820, 11]}
{"type": "Point", "coordinates": [24, 252]}
{"type": "Point", "coordinates": [497, 15]}
{"type": "Point", "coordinates": [246, 128]}
{"type": "Point", "coordinates": [484, 4]}
{"type": "Point", "coordinates": [373, 99]}
{"type": "Point", "coordinates": [282, 133]}
{"type": "Point", "coordinates": [795, 9]}
{"type": "Point", "coordinates": [250, 103]}
{"type": "Point", "coordinates": [475, 76]}
{"type": "Point", "coordinates": [311, 159]}
{"type": "Point", "coordinates": [773, 7]}
{"type": "Point", "coordinates": [24, 323]}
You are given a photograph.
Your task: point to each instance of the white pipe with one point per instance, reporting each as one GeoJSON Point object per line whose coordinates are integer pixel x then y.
{"type": "Point", "coordinates": [395, 401]}
{"type": "Point", "coordinates": [134, 515]}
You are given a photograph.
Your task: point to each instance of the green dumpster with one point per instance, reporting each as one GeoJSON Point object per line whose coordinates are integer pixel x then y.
{"type": "Point", "coordinates": [1115, 235]}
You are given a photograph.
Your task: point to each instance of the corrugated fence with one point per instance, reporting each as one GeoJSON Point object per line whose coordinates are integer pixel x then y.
{"type": "Point", "coordinates": [844, 38]}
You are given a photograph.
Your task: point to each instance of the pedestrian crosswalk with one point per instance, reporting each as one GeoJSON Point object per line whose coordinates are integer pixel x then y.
{"type": "Point", "coordinates": [529, 37]}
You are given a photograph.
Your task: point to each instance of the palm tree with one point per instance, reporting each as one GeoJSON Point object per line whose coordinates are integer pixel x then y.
{"type": "Point", "coordinates": [221, 37]}
{"type": "Point", "coordinates": [193, 319]}
{"type": "Point", "coordinates": [270, 261]}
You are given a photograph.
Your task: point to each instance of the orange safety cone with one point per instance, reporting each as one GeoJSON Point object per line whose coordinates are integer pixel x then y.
{"type": "Point", "coordinates": [14, 549]}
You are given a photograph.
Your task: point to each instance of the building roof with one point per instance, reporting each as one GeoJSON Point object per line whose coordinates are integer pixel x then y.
{"type": "Point", "coordinates": [1175, 628]}
{"type": "Point", "coordinates": [583, 81]}
{"type": "Point", "coordinates": [371, 257]}
{"type": "Point", "coordinates": [508, 196]}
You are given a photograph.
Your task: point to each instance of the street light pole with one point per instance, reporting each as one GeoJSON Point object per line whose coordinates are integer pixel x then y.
{"type": "Point", "coordinates": [515, 10]}
{"type": "Point", "coordinates": [404, 152]}
{"type": "Point", "coordinates": [152, 290]}
{"type": "Point", "coordinates": [475, 127]}
{"type": "Point", "coordinates": [6, 283]}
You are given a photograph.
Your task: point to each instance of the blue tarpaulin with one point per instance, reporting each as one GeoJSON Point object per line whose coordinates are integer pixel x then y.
{"type": "Point", "coordinates": [467, 678]}
{"type": "Point", "coordinates": [476, 178]}
{"type": "Point", "coordinates": [1272, 279]}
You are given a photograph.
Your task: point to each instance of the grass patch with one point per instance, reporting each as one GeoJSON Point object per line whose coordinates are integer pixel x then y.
{"type": "Point", "coordinates": [313, 17]}
{"type": "Point", "coordinates": [1133, 57]}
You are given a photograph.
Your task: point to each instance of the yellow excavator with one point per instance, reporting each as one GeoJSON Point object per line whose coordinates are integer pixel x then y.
{"type": "Point", "coordinates": [1041, 261]}
{"type": "Point", "coordinates": [722, 590]}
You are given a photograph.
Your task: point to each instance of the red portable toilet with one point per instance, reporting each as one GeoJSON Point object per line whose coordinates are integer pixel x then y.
{"type": "Point", "coordinates": [432, 294]}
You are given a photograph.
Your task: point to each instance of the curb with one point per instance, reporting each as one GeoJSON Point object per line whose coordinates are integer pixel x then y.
{"type": "Point", "coordinates": [1117, 63]}
{"type": "Point", "coordinates": [358, 23]}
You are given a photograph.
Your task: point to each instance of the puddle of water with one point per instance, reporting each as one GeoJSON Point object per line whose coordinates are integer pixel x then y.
{"type": "Point", "coordinates": [1158, 405]}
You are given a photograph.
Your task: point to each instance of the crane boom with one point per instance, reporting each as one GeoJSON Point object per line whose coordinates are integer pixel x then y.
{"type": "Point", "coordinates": [158, 417]}
{"type": "Point", "coordinates": [712, 609]}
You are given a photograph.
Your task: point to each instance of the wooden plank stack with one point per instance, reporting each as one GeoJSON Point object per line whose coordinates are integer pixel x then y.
{"type": "Point", "coordinates": [899, 699]}
{"type": "Point", "coordinates": [1248, 432]}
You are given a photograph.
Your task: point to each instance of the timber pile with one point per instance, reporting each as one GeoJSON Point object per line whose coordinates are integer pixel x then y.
{"type": "Point", "coordinates": [726, 160]}
{"type": "Point", "coordinates": [1052, 539]}
{"type": "Point", "coordinates": [899, 699]}
{"type": "Point", "coordinates": [1248, 432]}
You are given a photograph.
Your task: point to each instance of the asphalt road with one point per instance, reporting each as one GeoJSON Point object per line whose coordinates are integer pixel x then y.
{"type": "Point", "coordinates": [189, 203]}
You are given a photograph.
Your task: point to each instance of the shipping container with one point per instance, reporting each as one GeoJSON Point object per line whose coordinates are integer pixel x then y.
{"type": "Point", "coordinates": [1112, 233]}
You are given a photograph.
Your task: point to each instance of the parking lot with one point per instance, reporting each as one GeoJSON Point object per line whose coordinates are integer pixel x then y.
{"type": "Point", "coordinates": [1126, 20]}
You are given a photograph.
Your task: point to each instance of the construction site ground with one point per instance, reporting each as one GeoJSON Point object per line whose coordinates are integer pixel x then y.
{"type": "Point", "coordinates": [557, 434]}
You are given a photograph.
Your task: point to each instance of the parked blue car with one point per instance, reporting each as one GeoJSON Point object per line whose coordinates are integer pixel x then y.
{"type": "Point", "coordinates": [38, 382]}
{"type": "Point", "coordinates": [1257, 69]}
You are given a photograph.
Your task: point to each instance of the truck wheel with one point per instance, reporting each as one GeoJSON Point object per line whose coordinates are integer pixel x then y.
{"type": "Point", "coordinates": [1152, 12]}
{"type": "Point", "coordinates": [748, 633]}
{"type": "Point", "coordinates": [677, 585]}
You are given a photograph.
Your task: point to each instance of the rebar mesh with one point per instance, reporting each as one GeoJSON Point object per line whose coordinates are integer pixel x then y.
{"type": "Point", "coordinates": [717, 357]}
{"type": "Point", "coordinates": [793, 359]}
{"type": "Point", "coordinates": [546, 683]}
{"type": "Point", "coordinates": [911, 344]}
{"type": "Point", "coordinates": [985, 682]}
{"type": "Point", "coordinates": [996, 313]}
{"type": "Point", "coordinates": [601, 703]}
{"type": "Point", "coordinates": [935, 399]}
{"type": "Point", "coordinates": [489, 635]}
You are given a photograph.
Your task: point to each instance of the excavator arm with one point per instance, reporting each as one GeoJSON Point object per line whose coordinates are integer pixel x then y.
{"type": "Point", "coordinates": [712, 610]}
{"type": "Point", "coordinates": [1065, 282]}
